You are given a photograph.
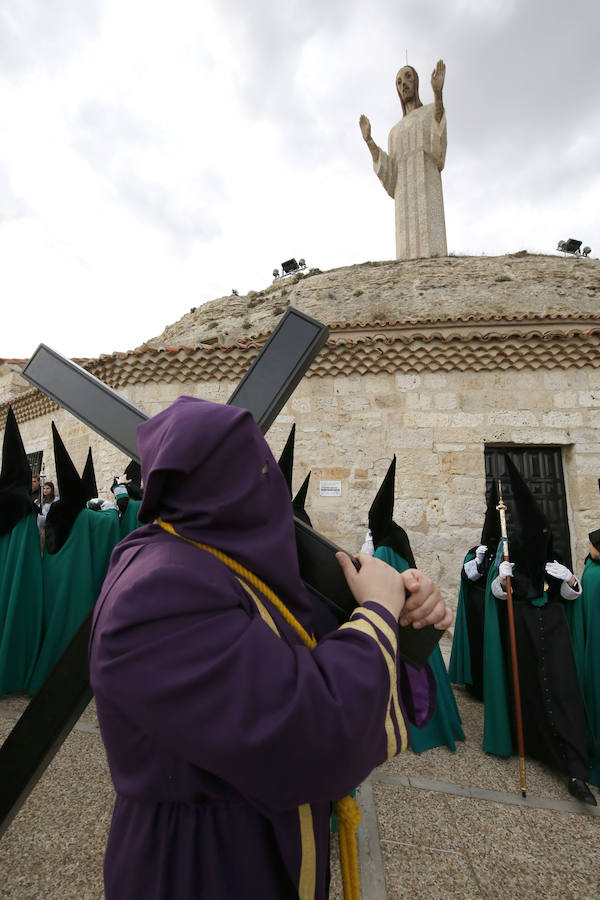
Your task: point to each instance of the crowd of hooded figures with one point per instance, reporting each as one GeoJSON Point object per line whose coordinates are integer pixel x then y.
{"type": "Point", "coordinates": [48, 586]}
{"type": "Point", "coordinates": [557, 636]}
{"type": "Point", "coordinates": [54, 553]}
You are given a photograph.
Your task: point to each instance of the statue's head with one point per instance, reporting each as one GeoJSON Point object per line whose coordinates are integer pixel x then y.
{"type": "Point", "coordinates": [407, 85]}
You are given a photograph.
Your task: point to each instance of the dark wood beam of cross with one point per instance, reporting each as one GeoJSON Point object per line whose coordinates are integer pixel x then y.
{"type": "Point", "coordinates": [266, 387]}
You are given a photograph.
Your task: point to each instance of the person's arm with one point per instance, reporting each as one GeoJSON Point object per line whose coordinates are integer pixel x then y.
{"type": "Point", "coordinates": [197, 669]}
{"type": "Point", "coordinates": [194, 667]}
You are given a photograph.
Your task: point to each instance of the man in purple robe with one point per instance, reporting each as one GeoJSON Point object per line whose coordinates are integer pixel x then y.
{"type": "Point", "coordinates": [227, 737]}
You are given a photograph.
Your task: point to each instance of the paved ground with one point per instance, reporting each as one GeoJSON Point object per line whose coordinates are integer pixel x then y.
{"type": "Point", "coordinates": [438, 825]}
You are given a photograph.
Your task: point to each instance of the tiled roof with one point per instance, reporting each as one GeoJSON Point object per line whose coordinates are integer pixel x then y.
{"type": "Point", "coordinates": [473, 343]}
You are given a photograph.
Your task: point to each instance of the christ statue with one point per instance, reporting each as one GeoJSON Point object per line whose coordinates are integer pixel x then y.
{"type": "Point", "coordinates": [410, 170]}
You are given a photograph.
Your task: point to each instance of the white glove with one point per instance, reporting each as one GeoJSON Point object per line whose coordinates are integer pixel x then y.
{"type": "Point", "coordinates": [98, 504]}
{"type": "Point", "coordinates": [471, 570]}
{"type": "Point", "coordinates": [505, 570]}
{"type": "Point", "coordinates": [558, 571]}
{"type": "Point", "coordinates": [368, 546]}
{"type": "Point", "coordinates": [480, 554]}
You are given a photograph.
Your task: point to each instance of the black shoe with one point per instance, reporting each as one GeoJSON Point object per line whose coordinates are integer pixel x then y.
{"type": "Point", "coordinates": [579, 789]}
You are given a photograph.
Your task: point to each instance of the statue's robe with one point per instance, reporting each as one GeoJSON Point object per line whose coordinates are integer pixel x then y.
{"type": "Point", "coordinates": [445, 726]}
{"type": "Point", "coordinates": [411, 173]}
{"type": "Point", "coordinates": [590, 581]}
{"type": "Point", "coordinates": [554, 728]}
{"type": "Point", "coordinates": [226, 737]}
{"type": "Point", "coordinates": [21, 604]}
{"type": "Point", "coordinates": [72, 580]}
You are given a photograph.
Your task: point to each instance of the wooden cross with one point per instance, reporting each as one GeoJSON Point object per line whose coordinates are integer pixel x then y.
{"type": "Point", "coordinates": [266, 387]}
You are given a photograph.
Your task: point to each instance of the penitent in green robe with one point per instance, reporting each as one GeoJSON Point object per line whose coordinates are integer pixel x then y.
{"type": "Point", "coordinates": [590, 581]}
{"type": "Point", "coordinates": [21, 604]}
{"type": "Point", "coordinates": [445, 726]}
{"type": "Point", "coordinates": [72, 580]}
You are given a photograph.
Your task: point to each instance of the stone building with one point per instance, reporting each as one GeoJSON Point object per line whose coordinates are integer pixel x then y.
{"type": "Point", "coordinates": [443, 362]}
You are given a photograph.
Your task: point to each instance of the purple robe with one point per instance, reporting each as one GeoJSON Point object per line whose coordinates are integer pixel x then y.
{"type": "Point", "coordinates": [226, 737]}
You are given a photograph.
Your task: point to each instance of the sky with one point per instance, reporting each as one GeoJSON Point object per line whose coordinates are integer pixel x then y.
{"type": "Point", "coordinates": [154, 156]}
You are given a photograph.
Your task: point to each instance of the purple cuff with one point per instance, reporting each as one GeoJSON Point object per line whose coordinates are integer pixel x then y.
{"type": "Point", "coordinates": [418, 690]}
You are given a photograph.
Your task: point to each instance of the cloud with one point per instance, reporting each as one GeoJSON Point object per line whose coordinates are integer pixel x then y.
{"type": "Point", "coordinates": [193, 148]}
{"type": "Point", "coordinates": [38, 34]}
{"type": "Point", "coordinates": [133, 156]}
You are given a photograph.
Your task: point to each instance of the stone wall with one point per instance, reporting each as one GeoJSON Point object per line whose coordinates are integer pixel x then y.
{"type": "Point", "coordinates": [430, 360]}
{"type": "Point", "coordinates": [348, 428]}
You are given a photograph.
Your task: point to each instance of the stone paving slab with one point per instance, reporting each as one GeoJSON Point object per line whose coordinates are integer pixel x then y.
{"type": "Point", "coordinates": [54, 848]}
{"type": "Point", "coordinates": [438, 825]}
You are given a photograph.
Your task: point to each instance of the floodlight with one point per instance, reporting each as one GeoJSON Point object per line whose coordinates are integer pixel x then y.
{"type": "Point", "coordinates": [560, 245]}
{"type": "Point", "coordinates": [586, 251]}
{"type": "Point", "coordinates": [275, 273]}
{"type": "Point", "coordinates": [302, 263]}
{"type": "Point", "coordinates": [290, 265]}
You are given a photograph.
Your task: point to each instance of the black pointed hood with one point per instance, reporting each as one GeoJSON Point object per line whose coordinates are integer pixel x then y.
{"type": "Point", "coordinates": [490, 533]}
{"type": "Point", "coordinates": [72, 494]}
{"type": "Point", "coordinates": [15, 478]}
{"type": "Point", "coordinates": [134, 472]}
{"type": "Point", "coordinates": [88, 477]}
{"type": "Point", "coordinates": [529, 535]}
{"type": "Point", "coordinates": [299, 501]}
{"type": "Point", "coordinates": [594, 538]}
{"type": "Point", "coordinates": [386, 533]}
{"type": "Point", "coordinates": [286, 460]}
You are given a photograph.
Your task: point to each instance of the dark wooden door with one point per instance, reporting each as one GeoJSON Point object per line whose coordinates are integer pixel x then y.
{"type": "Point", "coordinates": [541, 468]}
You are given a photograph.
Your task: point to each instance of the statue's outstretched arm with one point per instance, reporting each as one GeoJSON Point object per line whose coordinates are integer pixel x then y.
{"type": "Point", "coordinates": [438, 77]}
{"type": "Point", "coordinates": [365, 127]}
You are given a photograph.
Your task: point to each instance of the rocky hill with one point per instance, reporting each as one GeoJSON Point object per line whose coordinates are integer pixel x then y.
{"type": "Point", "coordinates": [515, 285]}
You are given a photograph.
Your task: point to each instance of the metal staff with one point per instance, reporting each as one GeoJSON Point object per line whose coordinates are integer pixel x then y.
{"type": "Point", "coordinates": [513, 645]}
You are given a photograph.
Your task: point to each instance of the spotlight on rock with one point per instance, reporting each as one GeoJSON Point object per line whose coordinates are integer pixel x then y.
{"type": "Point", "coordinates": [573, 247]}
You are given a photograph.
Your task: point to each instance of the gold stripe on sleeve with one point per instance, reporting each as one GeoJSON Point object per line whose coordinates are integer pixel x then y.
{"type": "Point", "coordinates": [380, 623]}
{"type": "Point", "coordinates": [392, 637]}
{"type": "Point", "coordinates": [392, 744]}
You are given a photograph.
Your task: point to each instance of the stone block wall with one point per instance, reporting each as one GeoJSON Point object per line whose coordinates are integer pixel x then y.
{"type": "Point", "coordinates": [348, 428]}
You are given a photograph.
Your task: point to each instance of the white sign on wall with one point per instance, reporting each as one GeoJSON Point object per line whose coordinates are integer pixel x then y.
{"type": "Point", "coordinates": [330, 488]}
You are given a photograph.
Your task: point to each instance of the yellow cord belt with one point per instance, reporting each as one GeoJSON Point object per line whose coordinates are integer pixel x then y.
{"type": "Point", "coordinates": [347, 809]}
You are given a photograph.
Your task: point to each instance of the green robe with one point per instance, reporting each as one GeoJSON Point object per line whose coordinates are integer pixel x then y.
{"type": "Point", "coordinates": [459, 670]}
{"type": "Point", "coordinates": [497, 735]}
{"type": "Point", "coordinates": [129, 522]}
{"type": "Point", "coordinates": [590, 581]}
{"type": "Point", "coordinates": [577, 617]}
{"type": "Point", "coordinates": [72, 581]}
{"type": "Point", "coordinates": [21, 604]}
{"type": "Point", "coordinates": [445, 727]}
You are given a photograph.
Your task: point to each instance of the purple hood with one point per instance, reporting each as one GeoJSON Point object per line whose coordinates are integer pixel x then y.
{"type": "Point", "coordinates": [202, 470]}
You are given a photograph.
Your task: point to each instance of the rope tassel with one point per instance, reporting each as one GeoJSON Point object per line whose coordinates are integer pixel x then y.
{"type": "Point", "coordinates": [347, 812]}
